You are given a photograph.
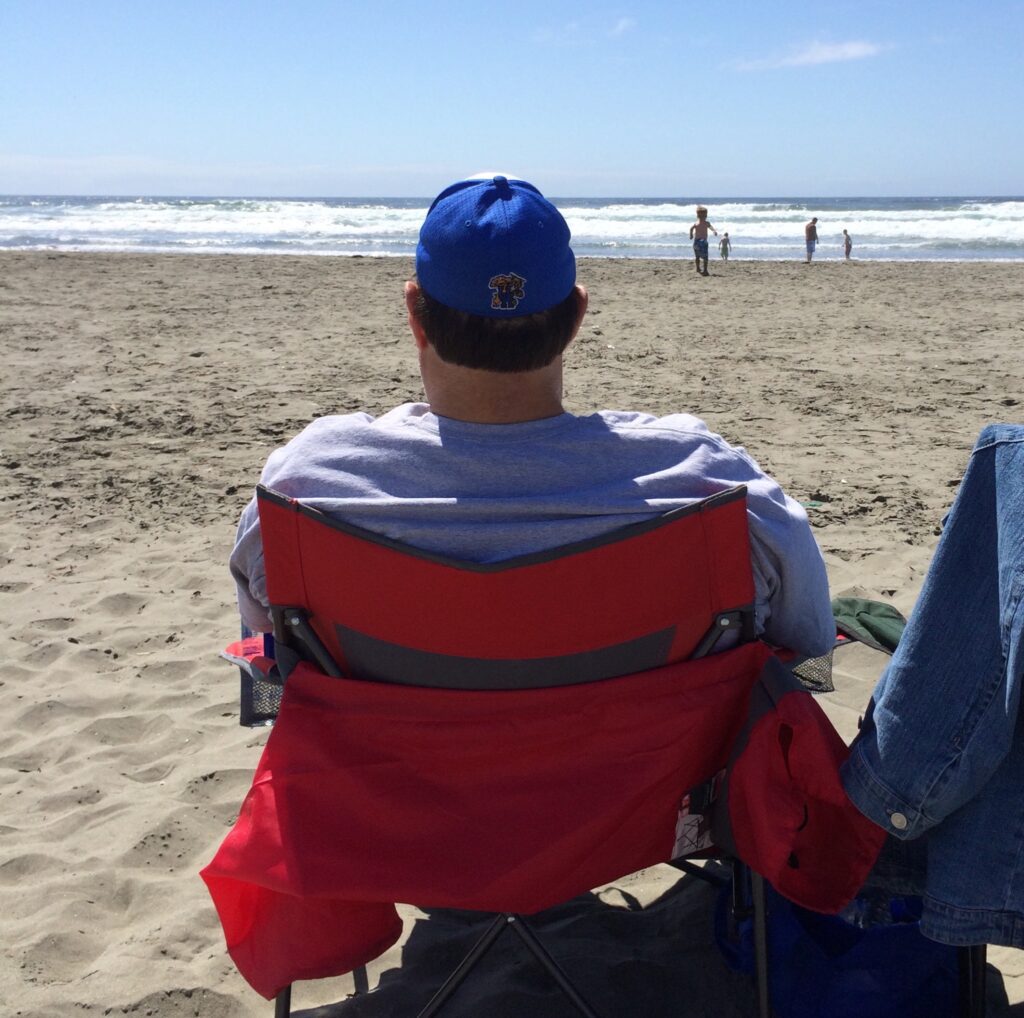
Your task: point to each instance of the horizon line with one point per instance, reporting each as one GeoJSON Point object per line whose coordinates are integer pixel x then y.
{"type": "Point", "coordinates": [428, 198]}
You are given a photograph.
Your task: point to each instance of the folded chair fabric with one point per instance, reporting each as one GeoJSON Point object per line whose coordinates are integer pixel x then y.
{"type": "Point", "coordinates": [371, 791]}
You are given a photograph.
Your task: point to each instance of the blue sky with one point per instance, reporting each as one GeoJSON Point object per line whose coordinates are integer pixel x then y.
{"type": "Point", "coordinates": [396, 98]}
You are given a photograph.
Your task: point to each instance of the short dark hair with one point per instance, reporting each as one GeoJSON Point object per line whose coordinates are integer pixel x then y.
{"type": "Point", "coordinates": [525, 343]}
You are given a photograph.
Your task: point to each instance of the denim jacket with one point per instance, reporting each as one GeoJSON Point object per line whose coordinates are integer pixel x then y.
{"type": "Point", "coordinates": [940, 755]}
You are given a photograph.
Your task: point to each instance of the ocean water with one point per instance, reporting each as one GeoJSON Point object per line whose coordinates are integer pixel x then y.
{"type": "Point", "coordinates": [931, 229]}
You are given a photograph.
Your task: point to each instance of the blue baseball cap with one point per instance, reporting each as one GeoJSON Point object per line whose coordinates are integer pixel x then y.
{"type": "Point", "coordinates": [495, 247]}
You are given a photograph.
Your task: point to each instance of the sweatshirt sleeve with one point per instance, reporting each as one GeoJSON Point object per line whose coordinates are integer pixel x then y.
{"type": "Point", "coordinates": [793, 605]}
{"type": "Point", "coordinates": [293, 469]}
{"type": "Point", "coordinates": [793, 608]}
{"type": "Point", "coordinates": [246, 565]}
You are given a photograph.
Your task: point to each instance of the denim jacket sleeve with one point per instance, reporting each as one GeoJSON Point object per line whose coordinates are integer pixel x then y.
{"type": "Point", "coordinates": [944, 713]}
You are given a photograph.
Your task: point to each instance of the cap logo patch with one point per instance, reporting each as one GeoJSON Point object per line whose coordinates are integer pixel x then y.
{"type": "Point", "coordinates": [506, 291]}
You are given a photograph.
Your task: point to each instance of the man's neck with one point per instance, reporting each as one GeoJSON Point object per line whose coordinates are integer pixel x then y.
{"type": "Point", "coordinates": [491, 397]}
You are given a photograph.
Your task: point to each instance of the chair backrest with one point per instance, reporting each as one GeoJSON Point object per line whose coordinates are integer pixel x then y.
{"type": "Point", "coordinates": [644, 595]}
{"type": "Point", "coordinates": [574, 743]}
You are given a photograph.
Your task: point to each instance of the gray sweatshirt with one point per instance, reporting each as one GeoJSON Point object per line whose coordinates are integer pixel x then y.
{"type": "Point", "coordinates": [487, 492]}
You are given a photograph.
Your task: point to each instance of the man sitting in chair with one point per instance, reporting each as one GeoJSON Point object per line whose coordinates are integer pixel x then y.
{"type": "Point", "coordinates": [492, 466]}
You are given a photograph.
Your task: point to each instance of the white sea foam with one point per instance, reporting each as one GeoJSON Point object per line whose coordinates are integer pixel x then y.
{"type": "Point", "coordinates": [953, 228]}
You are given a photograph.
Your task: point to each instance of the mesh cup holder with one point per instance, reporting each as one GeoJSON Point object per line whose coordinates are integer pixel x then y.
{"type": "Point", "coordinates": [259, 701]}
{"type": "Point", "coordinates": [816, 673]}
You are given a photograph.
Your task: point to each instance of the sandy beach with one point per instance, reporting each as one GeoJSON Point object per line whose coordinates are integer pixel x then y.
{"type": "Point", "coordinates": [142, 394]}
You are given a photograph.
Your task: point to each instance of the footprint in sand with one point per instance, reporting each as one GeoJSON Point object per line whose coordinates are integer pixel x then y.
{"type": "Point", "coordinates": [120, 731]}
{"type": "Point", "coordinates": [178, 841]}
{"type": "Point", "coordinates": [226, 786]}
{"type": "Point", "coordinates": [182, 1003]}
{"type": "Point", "coordinates": [55, 625]}
{"type": "Point", "coordinates": [62, 956]}
{"type": "Point", "coordinates": [41, 717]}
{"type": "Point", "coordinates": [119, 605]}
{"type": "Point", "coordinates": [29, 867]}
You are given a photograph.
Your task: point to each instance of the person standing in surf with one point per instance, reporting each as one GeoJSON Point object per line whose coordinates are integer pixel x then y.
{"type": "Point", "coordinates": [699, 236]}
{"type": "Point", "coordinates": [811, 237]}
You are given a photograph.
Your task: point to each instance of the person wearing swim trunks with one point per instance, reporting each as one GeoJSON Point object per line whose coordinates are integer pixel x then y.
{"type": "Point", "coordinates": [847, 245]}
{"type": "Point", "coordinates": [699, 236]}
{"type": "Point", "coordinates": [725, 246]}
{"type": "Point", "coordinates": [811, 237]}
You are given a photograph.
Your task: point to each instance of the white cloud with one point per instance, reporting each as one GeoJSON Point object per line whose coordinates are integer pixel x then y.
{"type": "Point", "coordinates": [586, 32]}
{"type": "Point", "coordinates": [813, 54]}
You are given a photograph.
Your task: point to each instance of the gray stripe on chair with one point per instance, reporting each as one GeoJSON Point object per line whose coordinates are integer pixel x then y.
{"type": "Point", "coordinates": [379, 661]}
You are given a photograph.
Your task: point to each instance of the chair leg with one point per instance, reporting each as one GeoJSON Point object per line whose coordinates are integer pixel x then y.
{"type": "Point", "coordinates": [700, 872]}
{"type": "Point", "coordinates": [283, 1003]}
{"type": "Point", "coordinates": [760, 909]}
{"type": "Point", "coordinates": [361, 980]}
{"type": "Point", "coordinates": [507, 920]}
{"type": "Point", "coordinates": [972, 980]}
{"type": "Point", "coordinates": [978, 977]}
{"type": "Point", "coordinates": [741, 906]}
{"type": "Point", "coordinates": [454, 981]}
{"type": "Point", "coordinates": [540, 952]}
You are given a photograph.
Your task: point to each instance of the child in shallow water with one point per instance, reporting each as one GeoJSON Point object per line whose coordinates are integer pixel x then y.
{"type": "Point", "coordinates": [699, 236]}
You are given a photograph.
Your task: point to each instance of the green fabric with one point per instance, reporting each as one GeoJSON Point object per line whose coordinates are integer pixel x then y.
{"type": "Point", "coordinates": [875, 623]}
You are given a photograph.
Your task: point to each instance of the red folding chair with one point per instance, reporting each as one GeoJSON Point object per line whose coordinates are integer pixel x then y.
{"type": "Point", "coordinates": [503, 737]}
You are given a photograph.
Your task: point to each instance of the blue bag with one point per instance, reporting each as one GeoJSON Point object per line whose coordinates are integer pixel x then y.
{"type": "Point", "coordinates": [870, 962]}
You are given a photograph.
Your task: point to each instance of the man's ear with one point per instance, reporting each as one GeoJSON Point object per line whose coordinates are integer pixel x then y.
{"type": "Point", "coordinates": [412, 292]}
{"type": "Point", "coordinates": [582, 299]}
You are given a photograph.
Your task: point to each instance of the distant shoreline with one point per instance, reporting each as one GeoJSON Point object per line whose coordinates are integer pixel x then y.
{"type": "Point", "coordinates": [959, 229]}
{"type": "Point", "coordinates": [797, 256]}
{"type": "Point", "coordinates": [558, 199]}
